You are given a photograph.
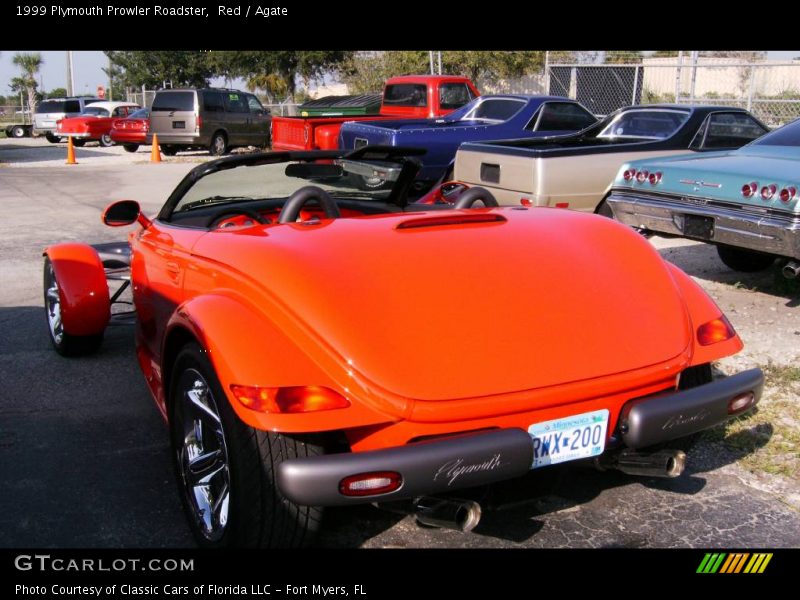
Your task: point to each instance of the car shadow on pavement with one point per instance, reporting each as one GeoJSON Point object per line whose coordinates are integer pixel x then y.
{"type": "Point", "coordinates": [702, 261]}
{"type": "Point", "coordinates": [18, 153]}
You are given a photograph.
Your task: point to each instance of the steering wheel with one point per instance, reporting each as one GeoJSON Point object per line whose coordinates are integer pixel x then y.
{"type": "Point", "coordinates": [472, 195]}
{"type": "Point", "coordinates": [291, 210]}
{"type": "Point", "coordinates": [214, 221]}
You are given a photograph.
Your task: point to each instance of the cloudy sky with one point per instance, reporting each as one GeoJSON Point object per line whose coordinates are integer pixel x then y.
{"type": "Point", "coordinates": [87, 67]}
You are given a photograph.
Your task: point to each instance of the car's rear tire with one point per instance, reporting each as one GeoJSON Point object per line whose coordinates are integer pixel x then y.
{"type": "Point", "coordinates": [226, 469]}
{"type": "Point", "coordinates": [218, 145]}
{"type": "Point", "coordinates": [745, 261]}
{"type": "Point", "coordinates": [106, 141]}
{"type": "Point", "coordinates": [53, 139]}
{"type": "Point", "coordinates": [64, 343]}
{"type": "Point", "coordinates": [78, 142]}
{"type": "Point", "coordinates": [17, 131]}
{"type": "Point", "coordinates": [169, 150]}
{"type": "Point", "coordinates": [130, 147]}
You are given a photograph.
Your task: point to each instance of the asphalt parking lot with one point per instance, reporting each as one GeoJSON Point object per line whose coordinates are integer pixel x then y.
{"type": "Point", "coordinates": [84, 453]}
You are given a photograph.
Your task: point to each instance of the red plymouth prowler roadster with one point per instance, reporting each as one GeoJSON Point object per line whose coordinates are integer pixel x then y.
{"type": "Point", "coordinates": [311, 343]}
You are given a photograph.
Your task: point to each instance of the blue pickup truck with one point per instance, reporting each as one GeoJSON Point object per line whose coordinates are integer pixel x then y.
{"type": "Point", "coordinates": [485, 118]}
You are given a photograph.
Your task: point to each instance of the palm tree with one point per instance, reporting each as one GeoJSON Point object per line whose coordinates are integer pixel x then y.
{"type": "Point", "coordinates": [29, 64]}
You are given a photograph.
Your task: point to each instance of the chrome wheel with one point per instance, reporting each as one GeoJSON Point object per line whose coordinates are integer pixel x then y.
{"type": "Point", "coordinates": [219, 145]}
{"type": "Point", "coordinates": [202, 455]}
{"type": "Point", "coordinates": [106, 141]}
{"type": "Point", "coordinates": [53, 306]}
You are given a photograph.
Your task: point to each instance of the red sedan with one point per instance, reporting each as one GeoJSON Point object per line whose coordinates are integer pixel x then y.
{"type": "Point", "coordinates": [131, 132]}
{"type": "Point", "coordinates": [94, 123]}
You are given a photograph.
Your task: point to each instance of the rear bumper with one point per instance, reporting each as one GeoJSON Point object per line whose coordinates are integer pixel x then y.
{"type": "Point", "coordinates": [482, 458]}
{"type": "Point", "coordinates": [185, 139]}
{"type": "Point", "coordinates": [772, 234]}
{"type": "Point", "coordinates": [128, 138]}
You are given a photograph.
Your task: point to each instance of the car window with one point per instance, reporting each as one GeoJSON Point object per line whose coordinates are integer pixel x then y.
{"type": "Point", "coordinates": [120, 111]}
{"type": "Point", "coordinates": [96, 111]}
{"type": "Point", "coordinates": [142, 113]}
{"type": "Point", "coordinates": [406, 94]}
{"type": "Point", "coordinates": [788, 135]}
{"type": "Point", "coordinates": [656, 124]}
{"type": "Point", "coordinates": [173, 101]}
{"type": "Point", "coordinates": [727, 130]}
{"type": "Point", "coordinates": [495, 109]}
{"type": "Point", "coordinates": [235, 102]}
{"type": "Point", "coordinates": [254, 104]}
{"type": "Point", "coordinates": [454, 95]}
{"type": "Point", "coordinates": [563, 116]}
{"type": "Point", "coordinates": [212, 102]}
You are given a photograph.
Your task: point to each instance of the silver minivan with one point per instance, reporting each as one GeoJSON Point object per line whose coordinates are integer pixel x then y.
{"type": "Point", "coordinates": [216, 119]}
{"type": "Point", "coordinates": [48, 113]}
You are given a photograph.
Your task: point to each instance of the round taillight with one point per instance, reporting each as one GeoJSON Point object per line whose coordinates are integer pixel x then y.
{"type": "Point", "coordinates": [629, 174]}
{"type": "Point", "coordinates": [768, 191]}
{"type": "Point", "coordinates": [642, 176]}
{"type": "Point", "coordinates": [748, 189]}
{"type": "Point", "coordinates": [788, 194]}
{"type": "Point", "coordinates": [371, 484]}
{"type": "Point", "coordinates": [655, 178]}
{"type": "Point", "coordinates": [741, 403]}
{"type": "Point", "coordinates": [525, 202]}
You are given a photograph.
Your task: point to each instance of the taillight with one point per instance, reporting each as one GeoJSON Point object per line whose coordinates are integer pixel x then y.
{"type": "Point", "coordinates": [715, 331]}
{"type": "Point", "coordinates": [788, 194]}
{"type": "Point", "coordinates": [370, 484]}
{"type": "Point", "coordinates": [655, 178]}
{"type": "Point", "coordinates": [199, 122]}
{"type": "Point", "coordinates": [146, 125]}
{"type": "Point", "coordinates": [741, 402]}
{"type": "Point", "coordinates": [768, 191]}
{"type": "Point", "coordinates": [525, 202]}
{"type": "Point", "coordinates": [642, 176]}
{"type": "Point", "coordinates": [629, 174]}
{"type": "Point", "coordinates": [293, 399]}
{"type": "Point", "coordinates": [748, 189]}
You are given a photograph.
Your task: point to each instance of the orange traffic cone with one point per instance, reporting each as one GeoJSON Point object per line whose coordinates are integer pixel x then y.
{"type": "Point", "coordinates": [71, 152]}
{"type": "Point", "coordinates": [155, 153]}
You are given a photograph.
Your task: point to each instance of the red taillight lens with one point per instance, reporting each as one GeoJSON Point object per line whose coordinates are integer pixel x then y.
{"type": "Point", "coordinates": [715, 331]}
{"type": "Point", "coordinates": [787, 194]}
{"type": "Point", "coordinates": [525, 202]}
{"type": "Point", "coordinates": [294, 399]}
{"type": "Point", "coordinates": [741, 403]}
{"type": "Point", "coordinates": [145, 125]}
{"type": "Point", "coordinates": [768, 191]}
{"type": "Point", "coordinates": [629, 174]}
{"type": "Point", "coordinates": [642, 176]}
{"type": "Point", "coordinates": [748, 189]}
{"type": "Point", "coordinates": [370, 484]}
{"type": "Point", "coordinates": [655, 178]}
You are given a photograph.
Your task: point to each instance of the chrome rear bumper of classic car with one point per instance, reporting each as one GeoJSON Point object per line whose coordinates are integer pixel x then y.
{"type": "Point", "coordinates": [762, 232]}
{"type": "Point", "coordinates": [442, 466]}
{"type": "Point", "coordinates": [655, 419]}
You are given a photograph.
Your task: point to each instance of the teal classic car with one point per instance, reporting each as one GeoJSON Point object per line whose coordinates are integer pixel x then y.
{"type": "Point", "coordinates": [745, 201]}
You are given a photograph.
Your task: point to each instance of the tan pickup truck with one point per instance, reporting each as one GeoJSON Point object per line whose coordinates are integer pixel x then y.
{"type": "Point", "coordinates": [576, 170]}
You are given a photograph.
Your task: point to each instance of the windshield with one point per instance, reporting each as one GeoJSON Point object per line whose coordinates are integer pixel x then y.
{"type": "Point", "coordinates": [356, 180]}
{"type": "Point", "coordinates": [95, 111]}
{"type": "Point", "coordinates": [788, 135]}
{"type": "Point", "coordinates": [653, 124]}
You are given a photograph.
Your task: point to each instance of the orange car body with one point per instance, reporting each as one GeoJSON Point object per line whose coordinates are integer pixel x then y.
{"type": "Point", "coordinates": [428, 323]}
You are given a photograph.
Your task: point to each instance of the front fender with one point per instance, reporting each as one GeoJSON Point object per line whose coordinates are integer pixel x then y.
{"type": "Point", "coordinates": [702, 309]}
{"type": "Point", "coordinates": [83, 289]}
{"type": "Point", "coordinates": [247, 348]}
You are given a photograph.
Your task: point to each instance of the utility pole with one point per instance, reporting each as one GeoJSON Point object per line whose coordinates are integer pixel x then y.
{"type": "Point", "coordinates": [440, 62]}
{"type": "Point", "coordinates": [70, 75]}
{"type": "Point", "coordinates": [430, 58]}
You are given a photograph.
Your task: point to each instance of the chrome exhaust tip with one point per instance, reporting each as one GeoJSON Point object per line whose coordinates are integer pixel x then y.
{"type": "Point", "coordinates": [664, 463]}
{"type": "Point", "coordinates": [791, 270]}
{"type": "Point", "coordinates": [446, 513]}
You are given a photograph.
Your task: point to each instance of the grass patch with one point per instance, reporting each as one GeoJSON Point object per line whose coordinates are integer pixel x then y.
{"type": "Point", "coordinates": [768, 438]}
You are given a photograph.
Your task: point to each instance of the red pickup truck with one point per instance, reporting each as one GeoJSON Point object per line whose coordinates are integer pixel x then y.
{"type": "Point", "coordinates": [410, 96]}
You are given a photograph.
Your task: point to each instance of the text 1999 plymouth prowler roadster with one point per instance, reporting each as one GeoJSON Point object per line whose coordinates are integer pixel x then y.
{"type": "Point", "coordinates": [314, 344]}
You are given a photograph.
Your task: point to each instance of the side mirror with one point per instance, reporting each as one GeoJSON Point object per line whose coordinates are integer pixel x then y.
{"type": "Point", "coordinates": [124, 212]}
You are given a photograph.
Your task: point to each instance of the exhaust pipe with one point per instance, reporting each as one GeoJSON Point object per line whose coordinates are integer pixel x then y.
{"type": "Point", "coordinates": [664, 463]}
{"type": "Point", "coordinates": [447, 513]}
{"type": "Point", "coordinates": [791, 270]}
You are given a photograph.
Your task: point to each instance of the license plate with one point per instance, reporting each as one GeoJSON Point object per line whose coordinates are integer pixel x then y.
{"type": "Point", "coordinates": [179, 124]}
{"type": "Point", "coordinates": [570, 438]}
{"type": "Point", "coordinates": [698, 227]}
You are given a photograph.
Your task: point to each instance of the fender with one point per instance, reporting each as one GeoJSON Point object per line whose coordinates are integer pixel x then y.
{"type": "Point", "coordinates": [702, 309]}
{"type": "Point", "coordinates": [246, 348]}
{"type": "Point", "coordinates": [85, 304]}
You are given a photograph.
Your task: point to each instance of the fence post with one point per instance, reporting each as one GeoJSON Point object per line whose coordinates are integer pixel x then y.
{"type": "Point", "coordinates": [547, 73]}
{"type": "Point", "coordinates": [750, 91]}
{"type": "Point", "coordinates": [694, 75]}
{"type": "Point", "coordinates": [635, 84]}
{"type": "Point", "coordinates": [678, 77]}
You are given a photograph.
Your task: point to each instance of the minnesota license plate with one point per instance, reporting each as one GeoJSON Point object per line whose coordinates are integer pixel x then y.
{"type": "Point", "coordinates": [179, 124]}
{"type": "Point", "coordinates": [570, 438]}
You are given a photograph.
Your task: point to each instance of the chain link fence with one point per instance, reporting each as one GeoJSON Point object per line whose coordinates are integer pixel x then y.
{"type": "Point", "coordinates": [13, 114]}
{"type": "Point", "coordinates": [769, 89]}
